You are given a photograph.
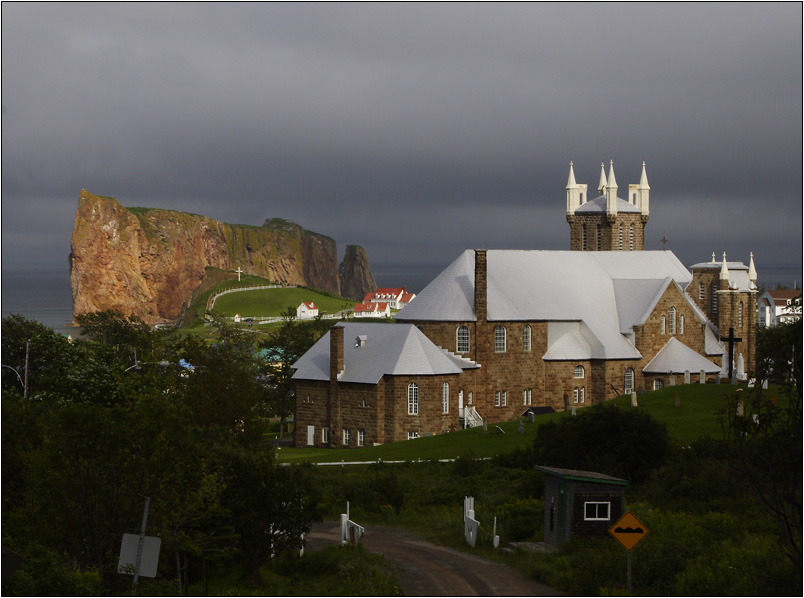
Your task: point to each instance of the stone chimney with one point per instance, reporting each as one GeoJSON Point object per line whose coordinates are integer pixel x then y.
{"type": "Point", "coordinates": [481, 285]}
{"type": "Point", "coordinates": [335, 352]}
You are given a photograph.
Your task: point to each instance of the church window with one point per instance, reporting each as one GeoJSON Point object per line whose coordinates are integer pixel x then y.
{"type": "Point", "coordinates": [361, 438]}
{"type": "Point", "coordinates": [499, 339]}
{"type": "Point", "coordinates": [497, 398]}
{"type": "Point", "coordinates": [628, 381]}
{"type": "Point", "coordinates": [527, 396]}
{"type": "Point", "coordinates": [681, 324]}
{"type": "Point", "coordinates": [631, 238]}
{"type": "Point", "coordinates": [526, 338]}
{"type": "Point", "coordinates": [672, 320]}
{"type": "Point", "coordinates": [702, 292]}
{"type": "Point", "coordinates": [578, 373]}
{"type": "Point", "coordinates": [469, 398]}
{"type": "Point", "coordinates": [714, 297]}
{"type": "Point", "coordinates": [575, 395]}
{"type": "Point", "coordinates": [658, 384]}
{"type": "Point", "coordinates": [584, 237]}
{"type": "Point", "coordinates": [740, 315]}
{"type": "Point", "coordinates": [413, 435]}
{"type": "Point", "coordinates": [445, 397]}
{"type": "Point", "coordinates": [413, 399]}
{"type": "Point", "coordinates": [504, 398]}
{"type": "Point", "coordinates": [325, 435]}
{"type": "Point", "coordinates": [621, 237]}
{"type": "Point", "coordinates": [599, 238]}
{"type": "Point", "coordinates": [583, 394]}
{"type": "Point", "coordinates": [347, 435]}
{"type": "Point", "coordinates": [662, 323]}
{"type": "Point", "coordinates": [463, 339]}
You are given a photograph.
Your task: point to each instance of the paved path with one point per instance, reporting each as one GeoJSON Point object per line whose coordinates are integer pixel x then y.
{"type": "Point", "coordinates": [424, 569]}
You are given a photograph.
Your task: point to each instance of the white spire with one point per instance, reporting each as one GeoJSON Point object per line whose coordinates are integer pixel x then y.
{"type": "Point", "coordinates": [611, 192]}
{"type": "Point", "coordinates": [571, 182]}
{"type": "Point", "coordinates": [724, 269]}
{"type": "Point", "coordinates": [575, 193]}
{"type": "Point", "coordinates": [643, 192]}
{"type": "Point", "coordinates": [752, 271]}
{"type": "Point", "coordinates": [601, 186]}
{"type": "Point", "coordinates": [714, 260]}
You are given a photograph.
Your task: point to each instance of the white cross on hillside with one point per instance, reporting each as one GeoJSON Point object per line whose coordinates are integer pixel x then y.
{"type": "Point", "coordinates": [239, 272]}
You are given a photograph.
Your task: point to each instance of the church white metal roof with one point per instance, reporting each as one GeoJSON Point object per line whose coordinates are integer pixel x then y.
{"type": "Point", "coordinates": [599, 205]}
{"type": "Point", "coordinates": [676, 358]}
{"type": "Point", "coordinates": [609, 291]}
{"type": "Point", "coordinates": [395, 349]}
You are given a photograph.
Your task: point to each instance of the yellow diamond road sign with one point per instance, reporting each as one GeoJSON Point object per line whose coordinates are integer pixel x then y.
{"type": "Point", "coordinates": [628, 531]}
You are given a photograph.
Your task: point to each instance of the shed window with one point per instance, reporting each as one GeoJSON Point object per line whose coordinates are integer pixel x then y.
{"type": "Point", "coordinates": [596, 511]}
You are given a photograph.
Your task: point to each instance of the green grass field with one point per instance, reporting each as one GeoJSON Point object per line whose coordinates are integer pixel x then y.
{"type": "Point", "coordinates": [697, 415]}
{"type": "Point", "coordinates": [271, 302]}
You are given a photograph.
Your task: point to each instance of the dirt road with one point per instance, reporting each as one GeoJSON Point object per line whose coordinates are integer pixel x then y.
{"type": "Point", "coordinates": [424, 569]}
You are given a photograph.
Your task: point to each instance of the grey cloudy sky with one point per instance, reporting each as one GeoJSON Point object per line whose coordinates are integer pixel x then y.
{"type": "Point", "coordinates": [414, 130]}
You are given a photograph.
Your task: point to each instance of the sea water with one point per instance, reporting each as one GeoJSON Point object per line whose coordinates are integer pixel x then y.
{"type": "Point", "coordinates": [38, 294]}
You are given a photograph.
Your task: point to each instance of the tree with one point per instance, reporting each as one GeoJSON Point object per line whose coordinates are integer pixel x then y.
{"type": "Point", "coordinates": [625, 443]}
{"type": "Point", "coordinates": [279, 352]}
{"type": "Point", "coordinates": [763, 433]}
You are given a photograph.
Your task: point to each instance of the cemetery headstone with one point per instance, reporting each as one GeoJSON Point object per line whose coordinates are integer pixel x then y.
{"type": "Point", "coordinates": [686, 376]}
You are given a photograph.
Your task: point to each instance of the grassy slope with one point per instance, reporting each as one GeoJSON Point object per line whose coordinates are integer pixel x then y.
{"type": "Point", "coordinates": [696, 416]}
{"type": "Point", "coordinates": [271, 302]}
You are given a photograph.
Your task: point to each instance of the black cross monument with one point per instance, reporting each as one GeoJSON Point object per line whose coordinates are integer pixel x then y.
{"type": "Point", "coordinates": [731, 339]}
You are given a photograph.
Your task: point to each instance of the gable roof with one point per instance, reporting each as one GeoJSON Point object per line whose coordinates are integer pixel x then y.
{"type": "Point", "coordinates": [393, 349]}
{"type": "Point", "coordinates": [609, 291]}
{"type": "Point", "coordinates": [581, 476]}
{"type": "Point", "coordinates": [676, 358]}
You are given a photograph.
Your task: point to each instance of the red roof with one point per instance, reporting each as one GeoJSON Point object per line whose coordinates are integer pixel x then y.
{"type": "Point", "coordinates": [309, 304]}
{"type": "Point", "coordinates": [370, 307]}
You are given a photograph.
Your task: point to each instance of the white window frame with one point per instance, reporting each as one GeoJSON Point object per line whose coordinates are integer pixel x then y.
{"type": "Point", "coordinates": [740, 315]}
{"type": "Point", "coordinates": [505, 398]}
{"type": "Point", "coordinates": [583, 394]}
{"type": "Point", "coordinates": [702, 292]}
{"type": "Point", "coordinates": [631, 237]}
{"type": "Point", "coordinates": [496, 398]}
{"type": "Point", "coordinates": [578, 372]}
{"type": "Point", "coordinates": [413, 399]}
{"type": "Point", "coordinates": [681, 324]}
{"type": "Point", "coordinates": [597, 507]}
{"type": "Point", "coordinates": [361, 438]}
{"type": "Point", "coordinates": [575, 394]}
{"type": "Point", "coordinates": [527, 396]}
{"type": "Point", "coordinates": [621, 237]}
{"type": "Point", "coordinates": [628, 388]}
{"type": "Point", "coordinates": [413, 435]}
{"type": "Point", "coordinates": [662, 324]}
{"type": "Point", "coordinates": [500, 339]}
{"type": "Point", "coordinates": [526, 338]}
{"type": "Point", "coordinates": [462, 339]}
{"type": "Point", "coordinates": [445, 397]}
{"type": "Point", "coordinates": [325, 435]}
{"type": "Point", "coordinates": [658, 384]}
{"type": "Point", "coordinates": [672, 321]}
{"type": "Point", "coordinates": [347, 436]}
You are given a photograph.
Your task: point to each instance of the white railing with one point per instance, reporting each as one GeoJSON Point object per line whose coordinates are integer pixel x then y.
{"type": "Point", "coordinates": [471, 417]}
{"type": "Point", "coordinates": [211, 301]}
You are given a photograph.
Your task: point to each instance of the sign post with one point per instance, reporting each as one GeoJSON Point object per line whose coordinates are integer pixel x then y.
{"type": "Point", "coordinates": [629, 531]}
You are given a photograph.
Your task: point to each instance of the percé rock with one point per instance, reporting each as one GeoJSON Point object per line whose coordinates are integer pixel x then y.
{"type": "Point", "coordinates": [150, 262]}
{"type": "Point", "coordinates": [355, 274]}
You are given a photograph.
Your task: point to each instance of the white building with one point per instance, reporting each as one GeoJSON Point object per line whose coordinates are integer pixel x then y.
{"type": "Point", "coordinates": [306, 311]}
{"type": "Point", "coordinates": [368, 309]}
{"type": "Point", "coordinates": [779, 307]}
{"type": "Point", "coordinates": [395, 298]}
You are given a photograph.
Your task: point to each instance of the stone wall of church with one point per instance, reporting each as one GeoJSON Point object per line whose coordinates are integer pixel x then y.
{"type": "Point", "coordinates": [604, 235]}
{"type": "Point", "coordinates": [431, 419]}
{"type": "Point", "coordinates": [731, 304]}
{"type": "Point", "coordinates": [710, 277]}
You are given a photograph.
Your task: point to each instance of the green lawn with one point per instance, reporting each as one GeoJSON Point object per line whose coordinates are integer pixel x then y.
{"type": "Point", "coordinates": [697, 415]}
{"type": "Point", "coordinates": [271, 302]}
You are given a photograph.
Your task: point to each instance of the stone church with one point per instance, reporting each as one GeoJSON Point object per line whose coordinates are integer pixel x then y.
{"type": "Point", "coordinates": [499, 331]}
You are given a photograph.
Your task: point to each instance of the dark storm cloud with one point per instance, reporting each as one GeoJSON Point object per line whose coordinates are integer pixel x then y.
{"type": "Point", "coordinates": [415, 130]}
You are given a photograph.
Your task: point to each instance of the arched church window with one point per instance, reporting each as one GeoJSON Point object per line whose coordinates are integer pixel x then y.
{"type": "Point", "coordinates": [681, 324]}
{"type": "Point", "coordinates": [499, 339]}
{"type": "Point", "coordinates": [578, 373]}
{"type": "Point", "coordinates": [672, 320]}
{"type": "Point", "coordinates": [628, 381]}
{"type": "Point", "coordinates": [463, 339]}
{"type": "Point", "coordinates": [583, 394]}
{"type": "Point", "coordinates": [526, 338]}
{"type": "Point", "coordinates": [445, 397]}
{"type": "Point", "coordinates": [575, 395]}
{"type": "Point", "coordinates": [662, 324]}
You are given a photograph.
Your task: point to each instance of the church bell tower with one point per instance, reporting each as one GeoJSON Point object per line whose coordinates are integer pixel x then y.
{"type": "Point", "coordinates": [607, 222]}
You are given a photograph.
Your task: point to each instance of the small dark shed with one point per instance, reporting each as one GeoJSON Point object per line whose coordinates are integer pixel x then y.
{"type": "Point", "coordinates": [580, 503]}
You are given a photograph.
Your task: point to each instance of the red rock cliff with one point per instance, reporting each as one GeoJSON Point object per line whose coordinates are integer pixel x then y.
{"type": "Point", "coordinates": [149, 262]}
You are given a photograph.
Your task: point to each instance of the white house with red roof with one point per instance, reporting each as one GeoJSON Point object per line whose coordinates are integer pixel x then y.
{"type": "Point", "coordinates": [396, 298]}
{"type": "Point", "coordinates": [307, 310]}
{"type": "Point", "coordinates": [779, 307]}
{"type": "Point", "coordinates": [369, 309]}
